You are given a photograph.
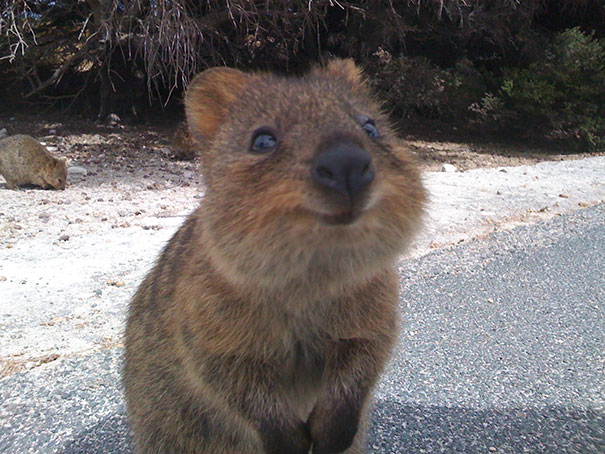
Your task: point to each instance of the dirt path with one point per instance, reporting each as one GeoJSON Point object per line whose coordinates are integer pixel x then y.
{"type": "Point", "coordinates": [70, 260]}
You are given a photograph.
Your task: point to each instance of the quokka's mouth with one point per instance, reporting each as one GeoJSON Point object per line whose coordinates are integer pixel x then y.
{"type": "Point", "coordinates": [344, 218]}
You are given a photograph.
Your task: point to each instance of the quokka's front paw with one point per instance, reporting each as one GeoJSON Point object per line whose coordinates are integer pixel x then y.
{"type": "Point", "coordinates": [292, 440]}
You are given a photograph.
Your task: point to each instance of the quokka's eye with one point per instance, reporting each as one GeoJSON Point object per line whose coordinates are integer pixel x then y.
{"type": "Point", "coordinates": [370, 128]}
{"type": "Point", "coordinates": [263, 141]}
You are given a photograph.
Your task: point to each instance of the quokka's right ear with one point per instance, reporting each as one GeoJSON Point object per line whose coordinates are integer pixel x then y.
{"type": "Point", "coordinates": [209, 98]}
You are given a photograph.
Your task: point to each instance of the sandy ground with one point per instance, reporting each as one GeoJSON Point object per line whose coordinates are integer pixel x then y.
{"type": "Point", "coordinates": [70, 260]}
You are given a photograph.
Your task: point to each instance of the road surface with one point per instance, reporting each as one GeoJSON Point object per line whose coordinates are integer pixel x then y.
{"type": "Point", "coordinates": [502, 351]}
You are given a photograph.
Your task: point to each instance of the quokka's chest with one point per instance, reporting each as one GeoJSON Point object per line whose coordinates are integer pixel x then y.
{"type": "Point", "coordinates": [305, 376]}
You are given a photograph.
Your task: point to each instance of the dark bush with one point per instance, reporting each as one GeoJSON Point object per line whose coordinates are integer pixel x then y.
{"type": "Point", "coordinates": [416, 86]}
{"type": "Point", "coordinates": [458, 61]}
{"type": "Point", "coordinates": [562, 94]}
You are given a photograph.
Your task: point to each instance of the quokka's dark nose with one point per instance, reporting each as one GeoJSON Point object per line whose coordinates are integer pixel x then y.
{"type": "Point", "coordinates": [345, 168]}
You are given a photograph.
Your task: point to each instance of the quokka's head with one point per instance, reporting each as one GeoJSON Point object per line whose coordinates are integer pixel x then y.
{"type": "Point", "coordinates": [307, 163]}
{"type": "Point", "coordinates": [55, 174]}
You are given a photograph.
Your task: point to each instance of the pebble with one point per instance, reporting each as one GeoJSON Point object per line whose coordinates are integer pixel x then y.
{"type": "Point", "coordinates": [3, 133]}
{"type": "Point", "coordinates": [116, 283]}
{"type": "Point", "coordinates": [76, 170]}
{"type": "Point", "coordinates": [112, 119]}
{"type": "Point", "coordinates": [449, 168]}
{"type": "Point", "coordinates": [64, 238]}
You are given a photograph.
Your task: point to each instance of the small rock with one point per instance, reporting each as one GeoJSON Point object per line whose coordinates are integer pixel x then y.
{"type": "Point", "coordinates": [98, 292]}
{"type": "Point", "coordinates": [52, 131]}
{"type": "Point", "coordinates": [51, 148]}
{"type": "Point", "coordinates": [116, 283]}
{"type": "Point", "coordinates": [3, 133]}
{"type": "Point", "coordinates": [64, 238]}
{"type": "Point", "coordinates": [503, 170]}
{"type": "Point", "coordinates": [449, 168]}
{"type": "Point", "coordinates": [44, 217]}
{"type": "Point", "coordinates": [583, 204]}
{"type": "Point", "coordinates": [564, 196]}
{"type": "Point", "coordinates": [77, 170]}
{"type": "Point", "coordinates": [165, 151]}
{"type": "Point", "coordinates": [2, 278]}
{"type": "Point", "coordinates": [112, 119]}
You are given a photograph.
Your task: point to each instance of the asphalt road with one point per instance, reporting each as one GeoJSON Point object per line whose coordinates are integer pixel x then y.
{"type": "Point", "coordinates": [503, 351]}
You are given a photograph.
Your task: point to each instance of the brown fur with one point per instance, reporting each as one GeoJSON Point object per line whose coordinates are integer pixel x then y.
{"type": "Point", "coordinates": [264, 325]}
{"type": "Point", "coordinates": [24, 161]}
{"type": "Point", "coordinates": [183, 143]}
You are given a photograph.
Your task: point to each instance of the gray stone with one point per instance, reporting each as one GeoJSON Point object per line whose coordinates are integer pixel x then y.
{"type": "Point", "coordinates": [77, 171]}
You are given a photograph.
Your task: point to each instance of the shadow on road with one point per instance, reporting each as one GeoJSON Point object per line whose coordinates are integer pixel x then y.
{"type": "Point", "coordinates": [403, 428]}
{"type": "Point", "coordinates": [110, 436]}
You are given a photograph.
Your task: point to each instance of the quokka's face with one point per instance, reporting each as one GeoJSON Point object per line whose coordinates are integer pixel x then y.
{"type": "Point", "coordinates": [56, 174]}
{"type": "Point", "coordinates": [313, 152]}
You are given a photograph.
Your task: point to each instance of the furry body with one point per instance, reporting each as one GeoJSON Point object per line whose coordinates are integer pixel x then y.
{"type": "Point", "coordinates": [24, 161]}
{"type": "Point", "coordinates": [271, 313]}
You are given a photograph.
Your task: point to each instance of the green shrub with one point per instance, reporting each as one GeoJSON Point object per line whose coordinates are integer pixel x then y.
{"type": "Point", "coordinates": [562, 94]}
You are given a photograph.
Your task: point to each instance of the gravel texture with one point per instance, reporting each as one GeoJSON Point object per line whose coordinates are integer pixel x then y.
{"type": "Point", "coordinates": [502, 352]}
{"type": "Point", "coordinates": [70, 260]}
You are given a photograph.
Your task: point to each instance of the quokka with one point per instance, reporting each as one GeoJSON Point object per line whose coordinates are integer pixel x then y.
{"type": "Point", "coordinates": [269, 316]}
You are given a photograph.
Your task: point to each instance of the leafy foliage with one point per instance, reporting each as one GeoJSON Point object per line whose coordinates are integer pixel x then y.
{"type": "Point", "coordinates": [564, 92]}
{"type": "Point", "coordinates": [416, 86]}
{"type": "Point", "coordinates": [498, 63]}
